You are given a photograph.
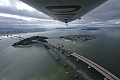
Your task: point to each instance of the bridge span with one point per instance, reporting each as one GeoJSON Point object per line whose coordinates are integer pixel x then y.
{"type": "Point", "coordinates": [107, 74]}
{"type": "Point", "coordinates": [68, 62]}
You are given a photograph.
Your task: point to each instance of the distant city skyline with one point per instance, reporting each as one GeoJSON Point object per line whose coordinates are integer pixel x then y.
{"type": "Point", "coordinates": [14, 13]}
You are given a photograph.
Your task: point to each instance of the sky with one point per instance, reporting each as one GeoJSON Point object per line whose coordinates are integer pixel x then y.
{"type": "Point", "coordinates": [16, 14]}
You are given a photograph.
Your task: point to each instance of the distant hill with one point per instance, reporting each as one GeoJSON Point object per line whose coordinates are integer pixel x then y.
{"type": "Point", "coordinates": [15, 30]}
{"type": "Point", "coordinates": [90, 28]}
{"type": "Point", "coordinates": [78, 27]}
{"type": "Point", "coordinates": [117, 28]}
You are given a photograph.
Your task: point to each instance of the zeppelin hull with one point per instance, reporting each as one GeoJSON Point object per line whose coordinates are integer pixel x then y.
{"type": "Point", "coordinates": [64, 10]}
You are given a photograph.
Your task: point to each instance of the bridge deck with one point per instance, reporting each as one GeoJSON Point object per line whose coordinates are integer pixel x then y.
{"type": "Point", "coordinates": [69, 63]}
{"type": "Point", "coordinates": [100, 69]}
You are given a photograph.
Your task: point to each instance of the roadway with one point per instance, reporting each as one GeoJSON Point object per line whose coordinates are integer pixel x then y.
{"type": "Point", "coordinates": [100, 69]}
{"type": "Point", "coordinates": [68, 62]}
{"type": "Point", "coordinates": [108, 75]}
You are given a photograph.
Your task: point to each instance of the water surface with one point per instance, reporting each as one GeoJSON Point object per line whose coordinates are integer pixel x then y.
{"type": "Point", "coordinates": [37, 63]}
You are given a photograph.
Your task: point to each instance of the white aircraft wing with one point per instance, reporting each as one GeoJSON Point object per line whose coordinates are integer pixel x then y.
{"type": "Point", "coordinates": [64, 10]}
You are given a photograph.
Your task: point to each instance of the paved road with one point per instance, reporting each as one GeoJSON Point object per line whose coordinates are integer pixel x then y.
{"type": "Point", "coordinates": [100, 69]}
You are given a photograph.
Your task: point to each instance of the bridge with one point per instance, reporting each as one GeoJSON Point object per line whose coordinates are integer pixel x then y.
{"type": "Point", "coordinates": [108, 75]}
{"type": "Point", "coordinates": [19, 37]}
{"type": "Point", "coordinates": [59, 51]}
{"type": "Point", "coordinates": [15, 37]}
{"type": "Point", "coordinates": [68, 62]}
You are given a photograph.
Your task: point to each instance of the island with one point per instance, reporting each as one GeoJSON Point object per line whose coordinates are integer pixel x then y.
{"type": "Point", "coordinates": [78, 37]}
{"type": "Point", "coordinates": [31, 41]}
{"type": "Point", "coordinates": [41, 40]}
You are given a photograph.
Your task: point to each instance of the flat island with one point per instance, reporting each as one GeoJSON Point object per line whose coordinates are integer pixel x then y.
{"type": "Point", "coordinates": [78, 37]}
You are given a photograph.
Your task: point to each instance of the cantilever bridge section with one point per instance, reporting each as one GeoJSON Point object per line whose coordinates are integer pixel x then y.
{"type": "Point", "coordinates": [107, 74]}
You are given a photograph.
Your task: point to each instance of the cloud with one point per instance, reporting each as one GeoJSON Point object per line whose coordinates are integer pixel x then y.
{"type": "Point", "coordinates": [109, 10]}
{"type": "Point", "coordinates": [15, 12]}
{"type": "Point", "coordinates": [19, 8]}
{"type": "Point", "coordinates": [18, 13]}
